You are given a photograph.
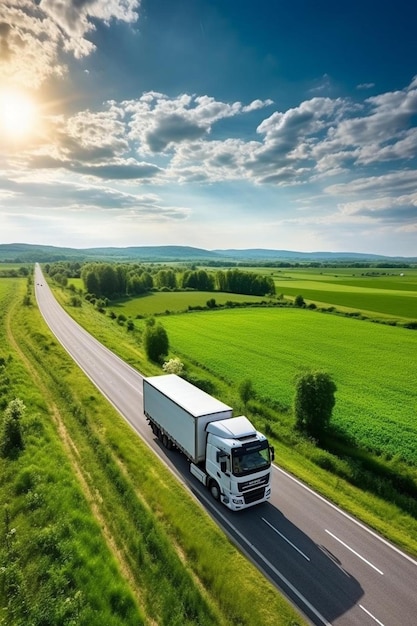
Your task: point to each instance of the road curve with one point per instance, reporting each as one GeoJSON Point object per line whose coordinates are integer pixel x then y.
{"type": "Point", "coordinates": [334, 569]}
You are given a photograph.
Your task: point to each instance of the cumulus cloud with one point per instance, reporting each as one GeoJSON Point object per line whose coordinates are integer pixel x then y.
{"type": "Point", "coordinates": [74, 18]}
{"type": "Point", "coordinates": [157, 136]}
{"type": "Point", "coordinates": [33, 35]}
{"type": "Point", "coordinates": [159, 123]}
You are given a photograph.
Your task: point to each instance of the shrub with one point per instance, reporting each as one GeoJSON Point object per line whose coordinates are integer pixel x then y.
{"type": "Point", "coordinates": [155, 341]}
{"type": "Point", "coordinates": [299, 302]}
{"type": "Point", "coordinates": [173, 366]}
{"type": "Point", "coordinates": [246, 391]}
{"type": "Point", "coordinates": [11, 437]}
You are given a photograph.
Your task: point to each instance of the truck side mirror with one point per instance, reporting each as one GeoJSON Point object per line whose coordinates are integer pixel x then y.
{"type": "Point", "coordinates": [272, 449]}
{"type": "Point", "coordinates": [223, 466]}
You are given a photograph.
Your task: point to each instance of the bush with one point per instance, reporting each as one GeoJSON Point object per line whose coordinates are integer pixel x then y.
{"type": "Point", "coordinates": [75, 301]}
{"type": "Point", "coordinates": [299, 302]}
{"type": "Point", "coordinates": [11, 437]}
{"type": "Point", "coordinates": [155, 341]}
{"type": "Point", "coordinates": [246, 391]}
{"type": "Point", "coordinates": [173, 366]}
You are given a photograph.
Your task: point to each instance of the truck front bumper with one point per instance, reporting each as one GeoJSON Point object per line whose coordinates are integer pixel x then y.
{"type": "Point", "coordinates": [250, 498]}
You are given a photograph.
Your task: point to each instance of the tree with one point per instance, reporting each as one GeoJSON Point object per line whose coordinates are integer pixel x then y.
{"type": "Point", "coordinates": [246, 391]}
{"type": "Point", "coordinates": [299, 301]}
{"type": "Point", "coordinates": [11, 437]}
{"type": "Point", "coordinates": [155, 341]}
{"type": "Point", "coordinates": [313, 403]}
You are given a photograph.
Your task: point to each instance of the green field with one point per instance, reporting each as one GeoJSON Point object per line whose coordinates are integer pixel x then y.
{"type": "Point", "coordinates": [387, 292]}
{"type": "Point", "coordinates": [373, 365]}
{"type": "Point", "coordinates": [177, 301]}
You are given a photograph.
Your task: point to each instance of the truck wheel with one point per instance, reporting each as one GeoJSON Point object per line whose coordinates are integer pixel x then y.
{"type": "Point", "coordinates": [166, 442]}
{"type": "Point", "coordinates": [214, 490]}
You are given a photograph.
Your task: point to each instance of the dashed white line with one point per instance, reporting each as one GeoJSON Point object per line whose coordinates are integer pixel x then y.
{"type": "Point", "coordinates": [285, 539]}
{"type": "Point", "coordinates": [354, 552]}
{"type": "Point", "coordinates": [370, 615]}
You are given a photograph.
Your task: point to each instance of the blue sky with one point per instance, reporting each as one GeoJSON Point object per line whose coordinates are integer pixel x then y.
{"type": "Point", "coordinates": [209, 123]}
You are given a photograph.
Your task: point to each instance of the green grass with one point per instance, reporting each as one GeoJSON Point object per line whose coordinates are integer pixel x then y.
{"type": "Point", "coordinates": [388, 294]}
{"type": "Point", "coordinates": [51, 547]}
{"type": "Point", "coordinates": [90, 503]}
{"type": "Point", "coordinates": [372, 365]}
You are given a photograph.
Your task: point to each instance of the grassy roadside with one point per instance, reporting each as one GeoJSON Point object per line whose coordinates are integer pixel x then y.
{"type": "Point", "coordinates": [389, 519]}
{"type": "Point", "coordinates": [108, 511]}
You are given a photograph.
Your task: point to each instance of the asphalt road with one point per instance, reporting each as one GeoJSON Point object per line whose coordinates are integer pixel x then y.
{"type": "Point", "coordinates": [334, 569]}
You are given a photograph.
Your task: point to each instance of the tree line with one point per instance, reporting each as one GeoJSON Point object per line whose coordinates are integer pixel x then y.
{"type": "Point", "coordinates": [112, 280]}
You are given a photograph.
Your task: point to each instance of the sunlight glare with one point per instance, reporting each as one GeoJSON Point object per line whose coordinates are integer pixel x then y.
{"type": "Point", "coordinates": [17, 114]}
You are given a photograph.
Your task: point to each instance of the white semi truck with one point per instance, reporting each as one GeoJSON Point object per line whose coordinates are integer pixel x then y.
{"type": "Point", "coordinates": [227, 454]}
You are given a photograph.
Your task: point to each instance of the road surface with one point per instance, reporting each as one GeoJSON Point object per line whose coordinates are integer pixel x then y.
{"type": "Point", "coordinates": [334, 569]}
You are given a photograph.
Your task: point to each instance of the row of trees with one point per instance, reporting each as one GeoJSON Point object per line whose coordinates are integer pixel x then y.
{"type": "Point", "coordinates": [110, 280]}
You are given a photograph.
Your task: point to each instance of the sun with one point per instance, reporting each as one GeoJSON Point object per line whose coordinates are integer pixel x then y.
{"type": "Point", "coordinates": [17, 114]}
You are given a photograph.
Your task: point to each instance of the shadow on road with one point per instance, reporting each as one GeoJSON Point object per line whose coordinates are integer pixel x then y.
{"type": "Point", "coordinates": [306, 572]}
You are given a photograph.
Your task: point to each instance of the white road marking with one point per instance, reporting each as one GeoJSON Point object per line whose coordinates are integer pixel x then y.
{"type": "Point", "coordinates": [285, 539]}
{"type": "Point", "coordinates": [344, 514]}
{"type": "Point", "coordinates": [354, 552]}
{"type": "Point", "coordinates": [268, 564]}
{"type": "Point", "coordinates": [370, 615]}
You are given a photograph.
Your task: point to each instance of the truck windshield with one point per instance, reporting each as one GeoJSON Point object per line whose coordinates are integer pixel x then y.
{"type": "Point", "coordinates": [251, 458]}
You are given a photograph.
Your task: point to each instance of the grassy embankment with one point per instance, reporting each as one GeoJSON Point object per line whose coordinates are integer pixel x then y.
{"type": "Point", "coordinates": [94, 529]}
{"type": "Point", "coordinates": [372, 365]}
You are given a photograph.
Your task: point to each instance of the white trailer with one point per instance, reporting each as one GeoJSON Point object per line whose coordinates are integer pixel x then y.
{"type": "Point", "coordinates": [227, 454]}
{"type": "Point", "coordinates": [181, 412]}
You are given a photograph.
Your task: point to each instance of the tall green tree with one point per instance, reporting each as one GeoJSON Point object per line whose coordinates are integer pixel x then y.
{"type": "Point", "coordinates": [314, 402]}
{"type": "Point", "coordinates": [155, 342]}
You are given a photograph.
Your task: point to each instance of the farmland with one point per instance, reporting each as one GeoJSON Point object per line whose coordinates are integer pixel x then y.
{"type": "Point", "coordinates": [177, 301]}
{"type": "Point", "coordinates": [387, 293]}
{"type": "Point", "coordinates": [373, 365]}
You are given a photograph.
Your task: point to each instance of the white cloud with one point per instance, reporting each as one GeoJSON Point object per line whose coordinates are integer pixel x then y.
{"type": "Point", "coordinates": [395, 182]}
{"type": "Point", "coordinates": [33, 35]}
{"type": "Point", "coordinates": [160, 123]}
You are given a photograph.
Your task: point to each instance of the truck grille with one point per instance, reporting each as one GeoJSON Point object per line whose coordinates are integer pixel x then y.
{"type": "Point", "coordinates": [253, 484]}
{"type": "Point", "coordinates": [253, 496]}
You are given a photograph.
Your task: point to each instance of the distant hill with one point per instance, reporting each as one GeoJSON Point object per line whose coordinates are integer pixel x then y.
{"type": "Point", "coordinates": [25, 253]}
{"type": "Point", "coordinates": [31, 253]}
{"type": "Point", "coordinates": [289, 255]}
